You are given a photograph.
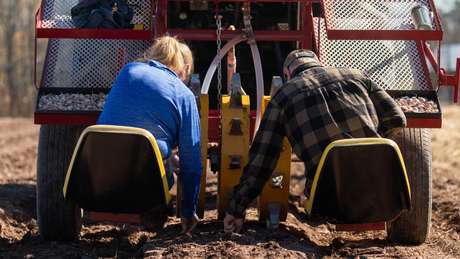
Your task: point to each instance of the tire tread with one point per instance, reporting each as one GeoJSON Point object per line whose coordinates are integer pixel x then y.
{"type": "Point", "coordinates": [413, 227]}
{"type": "Point", "coordinates": [58, 220]}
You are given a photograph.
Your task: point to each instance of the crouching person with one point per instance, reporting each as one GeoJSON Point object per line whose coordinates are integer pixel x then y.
{"type": "Point", "coordinates": [316, 106]}
{"type": "Point", "coordinates": [150, 93]}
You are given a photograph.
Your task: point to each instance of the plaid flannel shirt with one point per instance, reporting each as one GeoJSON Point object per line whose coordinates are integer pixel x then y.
{"type": "Point", "coordinates": [316, 107]}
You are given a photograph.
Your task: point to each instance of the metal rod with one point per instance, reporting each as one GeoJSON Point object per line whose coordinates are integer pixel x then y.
{"type": "Point", "coordinates": [161, 18]}
{"type": "Point", "coordinates": [35, 49]}
{"type": "Point", "coordinates": [430, 55]}
{"type": "Point", "coordinates": [262, 35]}
{"type": "Point", "coordinates": [231, 63]}
{"type": "Point", "coordinates": [216, 60]}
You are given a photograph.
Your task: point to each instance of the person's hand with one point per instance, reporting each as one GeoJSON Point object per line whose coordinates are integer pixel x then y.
{"type": "Point", "coordinates": [232, 224]}
{"type": "Point", "coordinates": [114, 8]}
{"type": "Point", "coordinates": [174, 162]}
{"type": "Point", "coordinates": [188, 225]}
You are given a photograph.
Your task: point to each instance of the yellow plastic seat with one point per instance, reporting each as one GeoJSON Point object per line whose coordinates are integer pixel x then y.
{"type": "Point", "coordinates": [117, 169]}
{"type": "Point", "coordinates": [361, 180]}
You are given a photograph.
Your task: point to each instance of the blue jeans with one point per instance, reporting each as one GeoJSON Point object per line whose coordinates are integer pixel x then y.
{"type": "Point", "coordinates": [169, 173]}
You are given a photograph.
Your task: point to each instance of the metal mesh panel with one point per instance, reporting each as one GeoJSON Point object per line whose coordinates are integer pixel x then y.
{"type": "Point", "coordinates": [394, 65]}
{"type": "Point", "coordinates": [88, 63]}
{"type": "Point", "coordinates": [371, 14]}
{"type": "Point", "coordinates": [56, 13]}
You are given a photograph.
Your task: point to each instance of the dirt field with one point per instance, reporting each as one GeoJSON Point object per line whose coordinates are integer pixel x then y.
{"type": "Point", "coordinates": [296, 238]}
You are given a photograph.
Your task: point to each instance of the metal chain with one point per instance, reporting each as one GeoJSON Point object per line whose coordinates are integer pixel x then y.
{"type": "Point", "coordinates": [219, 77]}
{"type": "Point", "coordinates": [219, 67]}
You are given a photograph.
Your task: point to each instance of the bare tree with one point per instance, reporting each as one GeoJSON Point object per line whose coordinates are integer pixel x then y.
{"type": "Point", "coordinates": [10, 23]}
{"type": "Point", "coordinates": [16, 49]}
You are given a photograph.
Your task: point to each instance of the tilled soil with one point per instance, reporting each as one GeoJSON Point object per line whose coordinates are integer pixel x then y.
{"type": "Point", "coordinates": [296, 238]}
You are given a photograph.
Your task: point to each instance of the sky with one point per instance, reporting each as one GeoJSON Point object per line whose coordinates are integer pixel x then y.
{"type": "Point", "coordinates": [444, 5]}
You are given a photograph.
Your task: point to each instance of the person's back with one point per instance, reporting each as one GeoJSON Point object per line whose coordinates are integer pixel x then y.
{"type": "Point", "coordinates": [316, 106]}
{"type": "Point", "coordinates": [323, 104]}
{"type": "Point", "coordinates": [149, 96]}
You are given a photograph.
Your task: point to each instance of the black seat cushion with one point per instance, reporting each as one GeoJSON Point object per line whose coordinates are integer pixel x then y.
{"type": "Point", "coordinates": [362, 184]}
{"type": "Point", "coordinates": [115, 172]}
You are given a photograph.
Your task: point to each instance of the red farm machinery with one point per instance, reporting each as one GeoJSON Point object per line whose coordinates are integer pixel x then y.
{"type": "Point", "coordinates": [391, 41]}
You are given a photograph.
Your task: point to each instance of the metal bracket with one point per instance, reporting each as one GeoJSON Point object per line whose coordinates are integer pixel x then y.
{"type": "Point", "coordinates": [444, 78]}
{"type": "Point", "coordinates": [247, 23]}
{"type": "Point", "coordinates": [235, 101]}
{"type": "Point", "coordinates": [451, 80]}
{"type": "Point", "coordinates": [235, 162]}
{"type": "Point", "coordinates": [277, 180]}
{"type": "Point", "coordinates": [214, 157]}
{"type": "Point", "coordinates": [236, 92]}
{"type": "Point", "coordinates": [235, 128]}
{"type": "Point", "coordinates": [273, 220]}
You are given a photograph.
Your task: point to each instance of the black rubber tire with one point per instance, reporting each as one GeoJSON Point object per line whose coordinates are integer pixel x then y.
{"type": "Point", "coordinates": [413, 227]}
{"type": "Point", "coordinates": [57, 220]}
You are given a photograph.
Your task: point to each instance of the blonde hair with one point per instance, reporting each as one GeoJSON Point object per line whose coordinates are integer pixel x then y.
{"type": "Point", "coordinates": [188, 57]}
{"type": "Point", "coordinates": [168, 51]}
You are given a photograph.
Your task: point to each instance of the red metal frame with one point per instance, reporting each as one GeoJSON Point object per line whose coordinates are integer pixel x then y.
{"type": "Point", "coordinates": [421, 48]}
{"type": "Point", "coordinates": [262, 35]}
{"type": "Point", "coordinates": [444, 78]}
{"type": "Point", "coordinates": [127, 34]}
{"type": "Point", "coordinates": [425, 122]}
{"type": "Point", "coordinates": [307, 27]}
{"type": "Point", "coordinates": [452, 80]}
{"type": "Point", "coordinates": [361, 227]}
{"type": "Point", "coordinates": [66, 33]}
{"type": "Point", "coordinates": [160, 27]}
{"type": "Point", "coordinates": [91, 119]}
{"type": "Point", "coordinates": [213, 121]}
{"type": "Point", "coordinates": [433, 123]}
{"type": "Point", "coordinates": [67, 119]}
{"type": "Point", "coordinates": [161, 17]}
{"type": "Point", "coordinates": [336, 34]}
{"type": "Point", "coordinates": [113, 217]}
{"type": "Point", "coordinates": [383, 35]}
{"type": "Point", "coordinates": [305, 36]}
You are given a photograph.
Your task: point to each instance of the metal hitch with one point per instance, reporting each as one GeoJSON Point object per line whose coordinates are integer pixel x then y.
{"type": "Point", "coordinates": [277, 180]}
{"type": "Point", "coordinates": [235, 128]}
{"type": "Point", "coordinates": [235, 162]}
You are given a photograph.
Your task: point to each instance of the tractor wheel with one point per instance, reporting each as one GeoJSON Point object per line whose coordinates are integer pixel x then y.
{"type": "Point", "coordinates": [413, 227]}
{"type": "Point", "coordinates": [58, 220]}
